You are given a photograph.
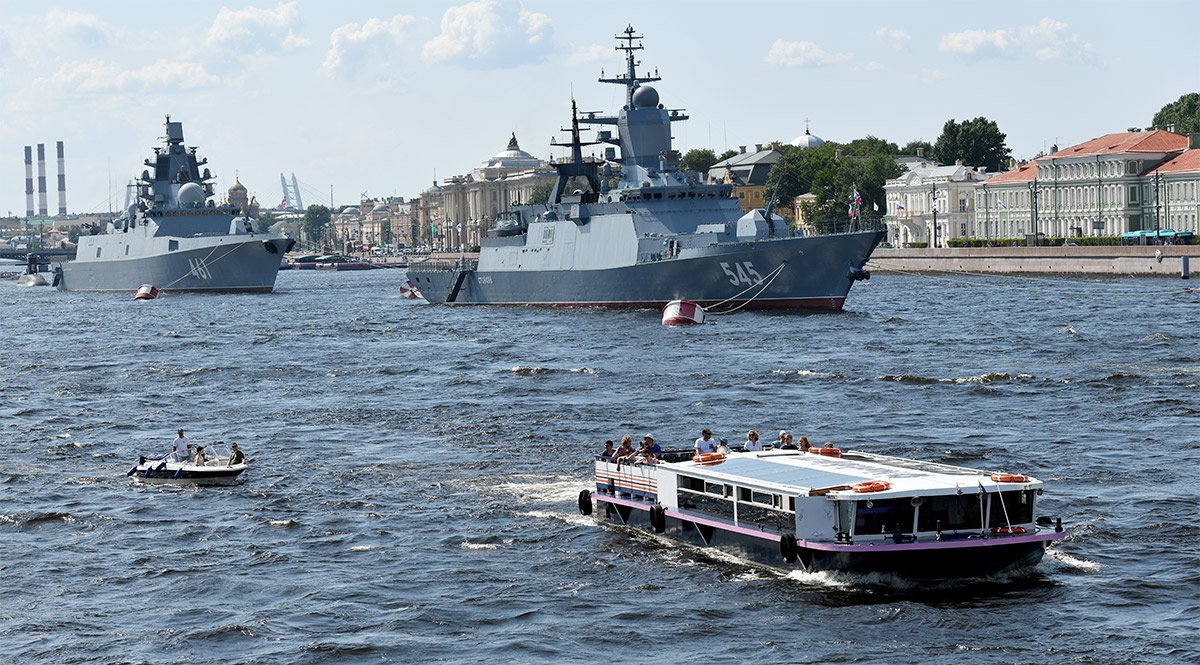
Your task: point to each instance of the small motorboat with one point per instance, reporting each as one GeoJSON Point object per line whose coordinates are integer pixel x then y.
{"type": "Point", "coordinates": [146, 292]}
{"type": "Point", "coordinates": [682, 312]}
{"type": "Point", "coordinates": [166, 469]}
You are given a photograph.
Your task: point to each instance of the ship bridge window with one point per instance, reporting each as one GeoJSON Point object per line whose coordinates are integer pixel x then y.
{"type": "Point", "coordinates": [98, 252]}
{"type": "Point", "coordinates": [885, 516]}
{"type": "Point", "coordinates": [954, 511]}
{"type": "Point", "coordinates": [172, 245]}
{"type": "Point", "coordinates": [1018, 506]}
{"type": "Point", "coordinates": [658, 195]}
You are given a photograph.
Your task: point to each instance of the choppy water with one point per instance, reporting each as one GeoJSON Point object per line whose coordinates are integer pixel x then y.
{"type": "Point", "coordinates": [412, 497]}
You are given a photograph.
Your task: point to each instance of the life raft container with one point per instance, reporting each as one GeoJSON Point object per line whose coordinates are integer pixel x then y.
{"type": "Point", "coordinates": [1008, 478]}
{"type": "Point", "coordinates": [682, 312]}
{"type": "Point", "coordinates": [871, 486]}
{"type": "Point", "coordinates": [828, 452]}
{"type": "Point", "coordinates": [1009, 530]}
{"type": "Point", "coordinates": [709, 459]}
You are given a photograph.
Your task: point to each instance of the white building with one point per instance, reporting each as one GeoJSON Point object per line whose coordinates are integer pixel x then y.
{"type": "Point", "coordinates": [927, 192]}
{"type": "Point", "coordinates": [472, 201]}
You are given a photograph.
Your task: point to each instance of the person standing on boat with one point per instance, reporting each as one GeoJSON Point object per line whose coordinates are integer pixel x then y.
{"type": "Point", "coordinates": [181, 448]}
{"type": "Point", "coordinates": [752, 445]}
{"type": "Point", "coordinates": [706, 444]}
{"type": "Point", "coordinates": [235, 455]}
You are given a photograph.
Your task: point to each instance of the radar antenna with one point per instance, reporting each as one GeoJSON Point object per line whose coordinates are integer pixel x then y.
{"type": "Point", "coordinates": [630, 78]}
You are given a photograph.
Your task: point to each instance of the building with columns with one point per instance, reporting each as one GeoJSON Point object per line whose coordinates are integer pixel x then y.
{"type": "Point", "coordinates": [1102, 187]}
{"type": "Point", "coordinates": [473, 201]}
{"type": "Point", "coordinates": [929, 192]}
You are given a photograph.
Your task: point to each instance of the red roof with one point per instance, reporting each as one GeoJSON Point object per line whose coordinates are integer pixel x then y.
{"type": "Point", "coordinates": [1023, 173]}
{"type": "Point", "coordinates": [1152, 141]}
{"type": "Point", "coordinates": [1187, 161]}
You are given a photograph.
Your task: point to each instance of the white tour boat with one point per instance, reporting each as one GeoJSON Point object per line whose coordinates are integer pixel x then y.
{"type": "Point", "coordinates": [828, 510]}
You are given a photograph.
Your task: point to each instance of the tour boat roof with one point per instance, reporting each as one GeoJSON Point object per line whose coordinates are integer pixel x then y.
{"type": "Point", "coordinates": [802, 473]}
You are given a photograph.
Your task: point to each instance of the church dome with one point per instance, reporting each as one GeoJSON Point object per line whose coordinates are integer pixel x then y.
{"type": "Point", "coordinates": [237, 188]}
{"type": "Point", "coordinates": [351, 211]}
{"type": "Point", "coordinates": [513, 157]}
{"type": "Point", "coordinates": [379, 208]}
{"type": "Point", "coordinates": [808, 140]}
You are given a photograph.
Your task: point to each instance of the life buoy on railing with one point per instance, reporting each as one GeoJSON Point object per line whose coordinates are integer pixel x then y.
{"type": "Point", "coordinates": [1008, 530]}
{"type": "Point", "coordinates": [1008, 478]}
{"type": "Point", "coordinates": [871, 486]}
{"type": "Point", "coordinates": [709, 459]}
{"type": "Point", "coordinates": [828, 452]}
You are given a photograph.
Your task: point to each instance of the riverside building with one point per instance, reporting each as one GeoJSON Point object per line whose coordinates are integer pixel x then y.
{"type": "Point", "coordinates": [931, 203]}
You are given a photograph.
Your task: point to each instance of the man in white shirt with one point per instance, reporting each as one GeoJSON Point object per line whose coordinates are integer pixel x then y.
{"type": "Point", "coordinates": [181, 448]}
{"type": "Point", "coordinates": [706, 444]}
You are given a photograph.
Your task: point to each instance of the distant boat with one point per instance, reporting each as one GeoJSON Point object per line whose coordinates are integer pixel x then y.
{"type": "Point", "coordinates": [216, 471]}
{"type": "Point", "coordinates": [175, 236]}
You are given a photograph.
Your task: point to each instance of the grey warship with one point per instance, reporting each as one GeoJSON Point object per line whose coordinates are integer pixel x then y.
{"type": "Point", "coordinates": [657, 236]}
{"type": "Point", "coordinates": [175, 237]}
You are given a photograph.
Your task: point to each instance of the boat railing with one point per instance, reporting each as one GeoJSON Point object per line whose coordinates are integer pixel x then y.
{"type": "Point", "coordinates": [442, 265]}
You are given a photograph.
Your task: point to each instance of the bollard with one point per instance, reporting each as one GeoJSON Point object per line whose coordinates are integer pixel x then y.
{"type": "Point", "coordinates": [1184, 270]}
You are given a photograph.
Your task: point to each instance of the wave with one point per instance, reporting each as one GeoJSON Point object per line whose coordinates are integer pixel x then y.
{"type": "Point", "coordinates": [535, 370]}
{"type": "Point", "coordinates": [988, 377]}
{"type": "Point", "coordinates": [1075, 563]}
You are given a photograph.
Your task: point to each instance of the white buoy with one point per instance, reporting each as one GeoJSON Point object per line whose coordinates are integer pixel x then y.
{"type": "Point", "coordinates": [146, 292]}
{"type": "Point", "coordinates": [682, 312]}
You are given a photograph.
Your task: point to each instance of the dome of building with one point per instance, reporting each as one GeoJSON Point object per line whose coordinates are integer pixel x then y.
{"type": "Point", "coordinates": [237, 188]}
{"type": "Point", "coordinates": [807, 140]}
{"type": "Point", "coordinates": [351, 211]}
{"type": "Point", "coordinates": [645, 97]}
{"type": "Point", "coordinates": [380, 208]}
{"type": "Point", "coordinates": [513, 157]}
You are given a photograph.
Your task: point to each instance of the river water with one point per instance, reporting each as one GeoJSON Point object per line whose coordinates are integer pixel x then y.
{"type": "Point", "coordinates": [412, 496]}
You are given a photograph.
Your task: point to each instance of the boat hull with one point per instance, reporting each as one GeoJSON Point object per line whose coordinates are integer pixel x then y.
{"type": "Point", "coordinates": [949, 559]}
{"type": "Point", "coordinates": [817, 273]}
{"type": "Point", "coordinates": [223, 265]}
{"type": "Point", "coordinates": [157, 471]}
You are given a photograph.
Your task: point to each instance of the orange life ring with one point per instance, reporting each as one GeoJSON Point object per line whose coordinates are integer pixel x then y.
{"type": "Point", "coordinates": [1008, 530]}
{"type": "Point", "coordinates": [1008, 478]}
{"type": "Point", "coordinates": [709, 459]}
{"type": "Point", "coordinates": [871, 486]}
{"type": "Point", "coordinates": [828, 452]}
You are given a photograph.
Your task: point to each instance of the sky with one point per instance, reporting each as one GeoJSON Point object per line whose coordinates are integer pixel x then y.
{"type": "Point", "coordinates": [380, 98]}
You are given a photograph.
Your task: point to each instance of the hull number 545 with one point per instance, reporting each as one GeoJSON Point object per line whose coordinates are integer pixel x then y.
{"type": "Point", "coordinates": [741, 273]}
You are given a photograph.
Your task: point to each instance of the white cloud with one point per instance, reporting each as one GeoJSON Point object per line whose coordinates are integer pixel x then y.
{"type": "Point", "coordinates": [1047, 39]}
{"type": "Point", "coordinates": [99, 76]}
{"type": "Point", "coordinates": [898, 38]}
{"type": "Point", "coordinates": [255, 29]}
{"type": "Point", "coordinates": [491, 33]}
{"type": "Point", "coordinates": [351, 43]}
{"type": "Point", "coordinates": [873, 67]}
{"type": "Point", "coordinates": [584, 55]}
{"type": "Point", "coordinates": [86, 29]}
{"type": "Point", "coordinates": [801, 54]}
{"type": "Point", "coordinates": [927, 75]}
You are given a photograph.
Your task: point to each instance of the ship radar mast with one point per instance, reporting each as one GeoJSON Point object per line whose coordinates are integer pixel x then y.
{"type": "Point", "coordinates": [630, 78]}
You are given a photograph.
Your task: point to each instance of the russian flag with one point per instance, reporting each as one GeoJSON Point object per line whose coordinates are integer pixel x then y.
{"type": "Point", "coordinates": [899, 206]}
{"type": "Point", "coordinates": [857, 197]}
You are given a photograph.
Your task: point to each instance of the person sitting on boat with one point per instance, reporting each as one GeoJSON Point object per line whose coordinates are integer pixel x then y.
{"type": "Point", "coordinates": [201, 459]}
{"type": "Point", "coordinates": [625, 451]}
{"type": "Point", "coordinates": [181, 449]}
{"type": "Point", "coordinates": [706, 444]}
{"type": "Point", "coordinates": [805, 444]}
{"type": "Point", "coordinates": [235, 455]}
{"type": "Point", "coordinates": [647, 457]}
{"type": "Point", "coordinates": [786, 443]}
{"type": "Point", "coordinates": [752, 444]}
{"type": "Point", "coordinates": [778, 443]}
{"type": "Point", "coordinates": [723, 446]}
{"type": "Point", "coordinates": [648, 442]}
{"type": "Point", "coordinates": [608, 451]}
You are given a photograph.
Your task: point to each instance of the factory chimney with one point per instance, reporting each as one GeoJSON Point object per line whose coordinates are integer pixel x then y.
{"type": "Point", "coordinates": [28, 181]}
{"type": "Point", "coordinates": [62, 183]}
{"type": "Point", "coordinates": [42, 179]}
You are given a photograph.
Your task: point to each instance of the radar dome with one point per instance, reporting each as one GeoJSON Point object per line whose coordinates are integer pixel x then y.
{"type": "Point", "coordinates": [190, 195]}
{"type": "Point", "coordinates": [645, 97]}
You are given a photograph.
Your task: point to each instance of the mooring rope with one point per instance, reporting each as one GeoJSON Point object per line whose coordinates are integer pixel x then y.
{"type": "Point", "coordinates": [770, 276]}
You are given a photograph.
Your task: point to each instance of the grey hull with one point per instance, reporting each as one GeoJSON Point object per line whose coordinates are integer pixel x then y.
{"type": "Point", "coordinates": [816, 273]}
{"type": "Point", "coordinates": [246, 265]}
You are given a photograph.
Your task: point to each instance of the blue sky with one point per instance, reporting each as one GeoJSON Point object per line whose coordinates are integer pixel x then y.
{"type": "Point", "coordinates": [377, 97]}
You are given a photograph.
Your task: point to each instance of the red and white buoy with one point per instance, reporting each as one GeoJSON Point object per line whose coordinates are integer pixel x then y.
{"type": "Point", "coordinates": [146, 292]}
{"type": "Point", "coordinates": [409, 291]}
{"type": "Point", "coordinates": [682, 312]}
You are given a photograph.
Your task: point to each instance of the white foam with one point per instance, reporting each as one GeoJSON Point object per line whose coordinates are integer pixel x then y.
{"type": "Point", "coordinates": [468, 545]}
{"type": "Point", "coordinates": [1074, 562]}
{"type": "Point", "coordinates": [360, 548]}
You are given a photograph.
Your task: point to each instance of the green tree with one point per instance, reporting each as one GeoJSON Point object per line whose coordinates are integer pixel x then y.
{"type": "Point", "coordinates": [699, 160]}
{"type": "Point", "coordinates": [833, 180]}
{"type": "Point", "coordinates": [871, 145]}
{"type": "Point", "coordinates": [316, 219]}
{"type": "Point", "coordinates": [541, 193]}
{"type": "Point", "coordinates": [911, 147]}
{"type": "Point", "coordinates": [726, 155]}
{"type": "Point", "coordinates": [977, 142]}
{"type": "Point", "coordinates": [1181, 116]}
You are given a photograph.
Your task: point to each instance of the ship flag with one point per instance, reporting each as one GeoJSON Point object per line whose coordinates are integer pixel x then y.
{"type": "Point", "coordinates": [857, 197]}
{"type": "Point", "coordinates": [899, 206]}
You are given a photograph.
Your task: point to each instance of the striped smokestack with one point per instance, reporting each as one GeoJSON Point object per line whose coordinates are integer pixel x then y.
{"type": "Point", "coordinates": [29, 181]}
{"type": "Point", "coordinates": [42, 179]}
{"type": "Point", "coordinates": [62, 183]}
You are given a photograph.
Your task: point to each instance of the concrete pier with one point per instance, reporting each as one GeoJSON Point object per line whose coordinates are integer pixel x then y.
{"type": "Point", "coordinates": [1147, 261]}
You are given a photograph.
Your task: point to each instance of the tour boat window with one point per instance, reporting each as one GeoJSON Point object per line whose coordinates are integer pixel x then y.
{"type": "Point", "coordinates": [1018, 505]}
{"type": "Point", "coordinates": [718, 489]}
{"type": "Point", "coordinates": [707, 504]}
{"type": "Point", "coordinates": [886, 516]}
{"type": "Point", "coordinates": [954, 511]}
{"type": "Point", "coordinates": [690, 483]}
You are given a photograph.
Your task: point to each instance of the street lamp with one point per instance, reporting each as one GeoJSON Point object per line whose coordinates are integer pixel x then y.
{"type": "Point", "coordinates": [1033, 191]}
{"type": "Point", "coordinates": [933, 232]}
{"type": "Point", "coordinates": [986, 211]}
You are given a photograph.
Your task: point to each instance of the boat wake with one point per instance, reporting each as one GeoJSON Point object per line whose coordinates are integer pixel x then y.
{"type": "Point", "coordinates": [1067, 561]}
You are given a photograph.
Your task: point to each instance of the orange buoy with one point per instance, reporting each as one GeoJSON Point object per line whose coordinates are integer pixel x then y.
{"type": "Point", "coordinates": [871, 486]}
{"type": "Point", "coordinates": [709, 459]}
{"type": "Point", "coordinates": [828, 452]}
{"type": "Point", "coordinates": [1009, 530]}
{"type": "Point", "coordinates": [1008, 478]}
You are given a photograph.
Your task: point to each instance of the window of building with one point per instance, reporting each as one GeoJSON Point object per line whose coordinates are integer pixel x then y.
{"type": "Point", "coordinates": [962, 229]}
{"type": "Point", "coordinates": [1133, 194]}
